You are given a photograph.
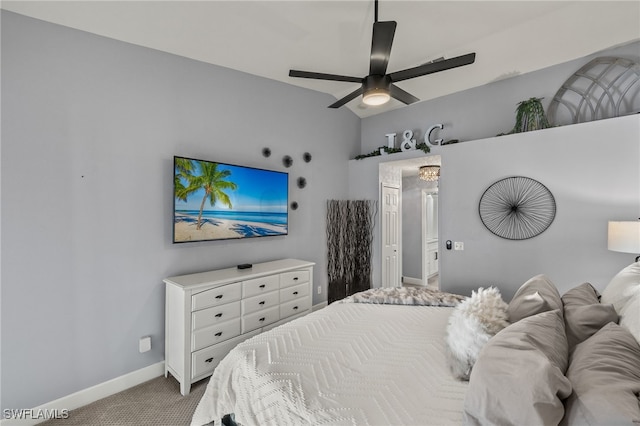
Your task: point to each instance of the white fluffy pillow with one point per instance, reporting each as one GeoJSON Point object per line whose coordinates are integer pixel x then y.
{"type": "Point", "coordinates": [472, 323]}
{"type": "Point", "coordinates": [623, 292]}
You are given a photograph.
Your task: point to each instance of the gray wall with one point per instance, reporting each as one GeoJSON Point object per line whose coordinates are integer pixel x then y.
{"type": "Point", "coordinates": [592, 169]}
{"type": "Point", "coordinates": [596, 179]}
{"type": "Point", "coordinates": [89, 129]}
{"type": "Point", "coordinates": [411, 229]}
{"type": "Point", "coordinates": [590, 187]}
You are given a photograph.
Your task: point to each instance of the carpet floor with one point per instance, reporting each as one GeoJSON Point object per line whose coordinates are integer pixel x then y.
{"type": "Point", "coordinates": [157, 402]}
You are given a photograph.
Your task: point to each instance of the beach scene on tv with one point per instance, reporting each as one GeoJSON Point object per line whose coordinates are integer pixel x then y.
{"type": "Point", "coordinates": [215, 201]}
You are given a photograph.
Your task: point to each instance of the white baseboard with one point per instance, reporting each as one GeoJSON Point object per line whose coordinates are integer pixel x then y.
{"type": "Point", "coordinates": [318, 306]}
{"type": "Point", "coordinates": [412, 281]}
{"type": "Point", "coordinates": [86, 396]}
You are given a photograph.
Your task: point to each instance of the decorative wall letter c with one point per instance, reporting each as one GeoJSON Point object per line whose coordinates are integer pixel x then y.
{"type": "Point", "coordinates": [427, 134]}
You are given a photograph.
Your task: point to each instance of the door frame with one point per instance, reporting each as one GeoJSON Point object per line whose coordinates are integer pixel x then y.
{"type": "Point", "coordinates": [425, 263]}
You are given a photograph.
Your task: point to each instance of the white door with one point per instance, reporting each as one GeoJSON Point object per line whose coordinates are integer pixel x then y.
{"type": "Point", "coordinates": [390, 236]}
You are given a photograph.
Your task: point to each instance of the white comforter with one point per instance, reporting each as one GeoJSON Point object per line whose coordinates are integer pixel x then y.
{"type": "Point", "coordinates": [347, 364]}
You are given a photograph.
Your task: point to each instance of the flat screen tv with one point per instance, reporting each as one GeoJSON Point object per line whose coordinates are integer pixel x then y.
{"type": "Point", "coordinates": [218, 201]}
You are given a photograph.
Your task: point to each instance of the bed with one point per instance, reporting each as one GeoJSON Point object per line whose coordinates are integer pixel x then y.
{"type": "Point", "coordinates": [346, 364]}
{"type": "Point", "coordinates": [570, 360]}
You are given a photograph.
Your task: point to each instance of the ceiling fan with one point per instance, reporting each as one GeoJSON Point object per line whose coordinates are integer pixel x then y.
{"type": "Point", "coordinates": [378, 87]}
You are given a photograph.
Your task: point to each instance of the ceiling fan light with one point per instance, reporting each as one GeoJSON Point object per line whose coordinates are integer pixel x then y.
{"type": "Point", "coordinates": [375, 97]}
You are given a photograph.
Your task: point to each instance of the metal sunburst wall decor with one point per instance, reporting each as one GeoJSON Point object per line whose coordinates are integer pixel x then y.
{"type": "Point", "coordinates": [517, 208]}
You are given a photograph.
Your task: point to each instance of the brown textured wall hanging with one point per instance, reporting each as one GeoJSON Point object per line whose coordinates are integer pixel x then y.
{"type": "Point", "coordinates": [349, 244]}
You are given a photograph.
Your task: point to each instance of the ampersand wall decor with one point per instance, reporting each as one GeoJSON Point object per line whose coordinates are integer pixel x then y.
{"type": "Point", "coordinates": [407, 143]}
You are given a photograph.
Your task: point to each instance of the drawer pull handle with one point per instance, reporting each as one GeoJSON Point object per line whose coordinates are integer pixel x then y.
{"type": "Point", "coordinates": [218, 334]}
{"type": "Point", "coordinates": [208, 360]}
{"type": "Point", "coordinates": [219, 296]}
{"type": "Point", "coordinates": [295, 308]}
{"type": "Point", "coordinates": [219, 315]}
{"type": "Point", "coordinates": [295, 278]}
{"type": "Point", "coordinates": [262, 319]}
{"type": "Point", "coordinates": [261, 303]}
{"type": "Point", "coordinates": [263, 285]}
{"type": "Point", "coordinates": [295, 292]}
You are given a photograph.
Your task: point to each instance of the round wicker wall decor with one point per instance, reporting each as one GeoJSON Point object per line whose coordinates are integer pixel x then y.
{"type": "Point", "coordinates": [517, 208]}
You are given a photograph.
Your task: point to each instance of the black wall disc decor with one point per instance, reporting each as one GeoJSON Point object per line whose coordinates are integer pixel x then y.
{"type": "Point", "coordinates": [302, 182]}
{"type": "Point", "coordinates": [517, 208]}
{"type": "Point", "coordinates": [266, 152]}
{"type": "Point", "coordinates": [287, 161]}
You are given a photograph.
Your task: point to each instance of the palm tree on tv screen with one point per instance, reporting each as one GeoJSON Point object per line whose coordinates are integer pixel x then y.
{"type": "Point", "coordinates": [184, 169]}
{"type": "Point", "coordinates": [210, 179]}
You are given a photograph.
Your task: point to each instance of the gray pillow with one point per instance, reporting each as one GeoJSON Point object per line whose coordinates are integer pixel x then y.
{"type": "Point", "coordinates": [584, 315]}
{"type": "Point", "coordinates": [518, 378]}
{"type": "Point", "coordinates": [537, 295]}
{"type": "Point", "coordinates": [605, 375]}
{"type": "Point", "coordinates": [584, 294]}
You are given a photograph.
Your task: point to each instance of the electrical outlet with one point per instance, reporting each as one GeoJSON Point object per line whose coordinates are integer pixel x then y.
{"type": "Point", "coordinates": [458, 245]}
{"type": "Point", "coordinates": [145, 344]}
{"type": "Point", "coordinates": [319, 289]}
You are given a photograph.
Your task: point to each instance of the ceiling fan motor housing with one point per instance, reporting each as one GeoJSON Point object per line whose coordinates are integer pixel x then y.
{"type": "Point", "coordinates": [373, 82]}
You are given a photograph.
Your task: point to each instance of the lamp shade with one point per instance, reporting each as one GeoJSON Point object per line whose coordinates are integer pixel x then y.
{"type": "Point", "coordinates": [624, 237]}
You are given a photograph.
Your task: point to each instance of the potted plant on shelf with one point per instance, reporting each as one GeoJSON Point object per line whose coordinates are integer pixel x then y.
{"type": "Point", "coordinates": [530, 115]}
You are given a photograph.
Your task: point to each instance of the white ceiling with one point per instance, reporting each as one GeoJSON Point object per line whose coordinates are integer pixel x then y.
{"type": "Point", "coordinates": [267, 38]}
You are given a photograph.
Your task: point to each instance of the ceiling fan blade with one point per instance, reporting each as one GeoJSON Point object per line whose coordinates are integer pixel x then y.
{"type": "Point", "coordinates": [399, 94]}
{"type": "Point", "coordinates": [381, 43]}
{"type": "Point", "coordinates": [347, 98]}
{"type": "Point", "coordinates": [433, 67]}
{"type": "Point", "coordinates": [321, 76]}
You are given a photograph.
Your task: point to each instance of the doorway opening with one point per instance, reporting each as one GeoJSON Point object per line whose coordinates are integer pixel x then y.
{"type": "Point", "coordinates": [415, 228]}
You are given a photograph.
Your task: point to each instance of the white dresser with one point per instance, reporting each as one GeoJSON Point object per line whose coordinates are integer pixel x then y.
{"type": "Point", "coordinates": [207, 314]}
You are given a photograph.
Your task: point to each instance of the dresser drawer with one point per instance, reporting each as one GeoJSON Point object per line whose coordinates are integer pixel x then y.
{"type": "Point", "coordinates": [260, 302]}
{"type": "Point", "coordinates": [216, 296]}
{"type": "Point", "coordinates": [205, 360]}
{"type": "Point", "coordinates": [294, 292]}
{"type": "Point", "coordinates": [215, 334]}
{"type": "Point", "coordinates": [292, 278]}
{"type": "Point", "coordinates": [295, 306]}
{"type": "Point", "coordinates": [260, 285]}
{"type": "Point", "coordinates": [215, 315]}
{"type": "Point", "coordinates": [260, 319]}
